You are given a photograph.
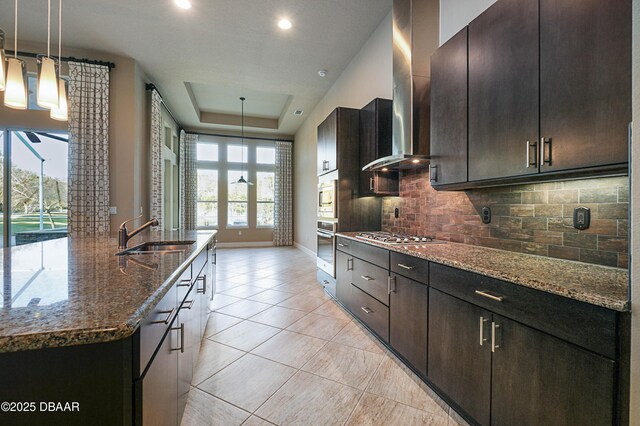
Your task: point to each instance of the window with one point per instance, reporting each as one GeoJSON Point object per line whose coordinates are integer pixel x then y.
{"type": "Point", "coordinates": [265, 155]}
{"type": "Point", "coordinates": [265, 189]}
{"type": "Point", "coordinates": [236, 154]}
{"type": "Point", "coordinates": [237, 200]}
{"type": "Point", "coordinates": [207, 152]}
{"type": "Point", "coordinates": [207, 198]}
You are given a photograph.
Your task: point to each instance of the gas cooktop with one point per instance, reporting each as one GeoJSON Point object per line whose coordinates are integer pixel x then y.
{"type": "Point", "coordinates": [398, 239]}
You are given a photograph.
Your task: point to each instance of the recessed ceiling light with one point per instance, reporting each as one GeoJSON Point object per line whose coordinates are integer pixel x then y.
{"type": "Point", "coordinates": [298, 112]}
{"type": "Point", "coordinates": [322, 73]}
{"type": "Point", "coordinates": [284, 24]}
{"type": "Point", "coordinates": [183, 4]}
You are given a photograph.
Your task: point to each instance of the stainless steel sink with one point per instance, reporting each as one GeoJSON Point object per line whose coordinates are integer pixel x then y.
{"type": "Point", "coordinates": [157, 247]}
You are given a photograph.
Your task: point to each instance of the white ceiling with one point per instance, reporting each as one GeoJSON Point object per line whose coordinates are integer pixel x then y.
{"type": "Point", "coordinates": [222, 49]}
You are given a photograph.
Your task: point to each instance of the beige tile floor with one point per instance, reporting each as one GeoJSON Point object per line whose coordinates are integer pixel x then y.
{"type": "Point", "coordinates": [278, 350]}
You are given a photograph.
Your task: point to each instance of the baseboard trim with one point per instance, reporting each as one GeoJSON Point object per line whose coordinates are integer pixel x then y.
{"type": "Point", "coordinates": [243, 244]}
{"type": "Point", "coordinates": [305, 250]}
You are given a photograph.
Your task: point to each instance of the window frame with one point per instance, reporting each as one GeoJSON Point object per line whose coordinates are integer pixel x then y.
{"type": "Point", "coordinates": [217, 202]}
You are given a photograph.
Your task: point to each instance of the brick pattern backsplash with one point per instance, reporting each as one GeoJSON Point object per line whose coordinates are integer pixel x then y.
{"type": "Point", "coordinates": [535, 218]}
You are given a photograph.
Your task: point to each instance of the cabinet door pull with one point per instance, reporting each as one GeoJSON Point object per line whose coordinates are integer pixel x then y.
{"type": "Point", "coordinates": [389, 280]}
{"type": "Point", "coordinates": [366, 277]}
{"type": "Point", "coordinates": [367, 310]}
{"type": "Point", "coordinates": [181, 328]}
{"type": "Point", "coordinates": [433, 173]}
{"type": "Point", "coordinates": [483, 320]}
{"type": "Point", "coordinates": [402, 265]}
{"type": "Point", "coordinates": [533, 163]}
{"type": "Point", "coordinates": [371, 184]}
{"type": "Point", "coordinates": [190, 302]}
{"type": "Point", "coordinates": [184, 283]}
{"type": "Point", "coordinates": [494, 337]}
{"type": "Point", "coordinates": [545, 151]}
{"type": "Point", "coordinates": [342, 245]}
{"type": "Point", "coordinates": [203, 278]}
{"type": "Point", "coordinates": [167, 319]}
{"type": "Point", "coordinates": [350, 264]}
{"type": "Point", "coordinates": [489, 296]}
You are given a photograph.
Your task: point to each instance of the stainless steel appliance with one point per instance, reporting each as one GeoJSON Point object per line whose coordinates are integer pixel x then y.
{"type": "Point", "coordinates": [327, 198]}
{"type": "Point", "coordinates": [326, 246]}
{"type": "Point", "coordinates": [398, 239]}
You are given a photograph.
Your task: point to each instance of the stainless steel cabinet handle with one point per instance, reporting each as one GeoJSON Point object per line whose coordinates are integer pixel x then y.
{"type": "Point", "coordinates": [489, 296]}
{"type": "Point", "coordinates": [371, 184]}
{"type": "Point", "coordinates": [190, 302]}
{"type": "Point", "coordinates": [350, 268]}
{"type": "Point", "coordinates": [530, 145]}
{"type": "Point", "coordinates": [494, 338]}
{"type": "Point", "coordinates": [433, 173]}
{"type": "Point", "coordinates": [185, 283]}
{"type": "Point", "coordinates": [167, 320]}
{"type": "Point", "coordinates": [342, 245]}
{"type": "Point", "coordinates": [367, 310]}
{"type": "Point", "coordinates": [483, 320]}
{"type": "Point", "coordinates": [181, 328]}
{"type": "Point", "coordinates": [389, 280]}
{"type": "Point", "coordinates": [402, 265]}
{"type": "Point", "coordinates": [203, 278]}
{"type": "Point", "coordinates": [545, 154]}
{"type": "Point", "coordinates": [366, 277]}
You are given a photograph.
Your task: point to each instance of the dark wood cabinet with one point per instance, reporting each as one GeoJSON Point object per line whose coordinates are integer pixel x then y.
{"type": "Point", "coordinates": [408, 319]}
{"type": "Point", "coordinates": [503, 91]}
{"type": "Point", "coordinates": [375, 142]}
{"type": "Point", "coordinates": [344, 274]}
{"type": "Point", "coordinates": [449, 111]}
{"type": "Point", "coordinates": [538, 379]}
{"type": "Point", "coordinates": [328, 135]}
{"type": "Point", "coordinates": [160, 387]}
{"type": "Point", "coordinates": [460, 353]}
{"type": "Point", "coordinates": [585, 75]}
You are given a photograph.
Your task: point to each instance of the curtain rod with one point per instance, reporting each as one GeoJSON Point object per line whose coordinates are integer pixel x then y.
{"type": "Point", "coordinates": [111, 65]}
{"type": "Point", "coordinates": [150, 87]}
{"type": "Point", "coordinates": [255, 138]}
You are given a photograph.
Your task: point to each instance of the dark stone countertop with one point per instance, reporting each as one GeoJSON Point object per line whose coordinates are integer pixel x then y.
{"type": "Point", "coordinates": [75, 290]}
{"type": "Point", "coordinates": [598, 285]}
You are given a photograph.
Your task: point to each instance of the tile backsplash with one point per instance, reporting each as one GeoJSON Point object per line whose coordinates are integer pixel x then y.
{"type": "Point", "coordinates": [534, 218]}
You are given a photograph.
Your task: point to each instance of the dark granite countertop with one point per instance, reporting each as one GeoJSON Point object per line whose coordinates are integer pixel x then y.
{"type": "Point", "coordinates": [74, 290]}
{"type": "Point", "coordinates": [599, 285]}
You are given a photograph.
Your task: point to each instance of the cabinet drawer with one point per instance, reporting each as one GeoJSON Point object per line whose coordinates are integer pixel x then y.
{"type": "Point", "coordinates": [155, 325]}
{"type": "Point", "coordinates": [371, 312]}
{"type": "Point", "coordinates": [198, 264]}
{"type": "Point", "coordinates": [372, 254]}
{"type": "Point", "coordinates": [411, 267]}
{"type": "Point", "coordinates": [592, 327]}
{"type": "Point", "coordinates": [371, 279]}
{"type": "Point", "coordinates": [327, 282]}
{"type": "Point", "coordinates": [344, 245]}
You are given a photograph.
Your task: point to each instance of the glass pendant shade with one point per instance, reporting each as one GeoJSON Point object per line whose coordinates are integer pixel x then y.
{"type": "Point", "coordinates": [3, 74]}
{"type": "Point", "coordinates": [47, 83]}
{"type": "Point", "coordinates": [15, 93]}
{"type": "Point", "coordinates": [61, 113]}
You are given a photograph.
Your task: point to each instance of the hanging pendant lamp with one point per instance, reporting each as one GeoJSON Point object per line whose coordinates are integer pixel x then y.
{"type": "Point", "coordinates": [242, 180]}
{"type": "Point", "coordinates": [3, 74]}
{"type": "Point", "coordinates": [61, 112]}
{"type": "Point", "coordinates": [48, 73]}
{"type": "Point", "coordinates": [15, 92]}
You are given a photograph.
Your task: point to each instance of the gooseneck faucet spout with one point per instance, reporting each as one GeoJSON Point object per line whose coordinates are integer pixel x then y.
{"type": "Point", "coordinates": [124, 235]}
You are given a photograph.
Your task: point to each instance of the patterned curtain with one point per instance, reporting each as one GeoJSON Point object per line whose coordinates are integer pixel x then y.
{"type": "Point", "coordinates": [156, 158]}
{"type": "Point", "coordinates": [283, 228]}
{"type": "Point", "coordinates": [188, 180]}
{"type": "Point", "coordinates": [88, 189]}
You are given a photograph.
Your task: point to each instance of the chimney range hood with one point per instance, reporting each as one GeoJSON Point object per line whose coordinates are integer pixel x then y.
{"type": "Point", "coordinates": [415, 38]}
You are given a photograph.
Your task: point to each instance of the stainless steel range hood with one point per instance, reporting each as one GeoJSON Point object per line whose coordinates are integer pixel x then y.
{"type": "Point", "coordinates": [415, 38]}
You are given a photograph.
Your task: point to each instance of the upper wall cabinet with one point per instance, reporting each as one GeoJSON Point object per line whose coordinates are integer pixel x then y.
{"type": "Point", "coordinates": [585, 90]}
{"type": "Point", "coordinates": [503, 90]}
{"type": "Point", "coordinates": [327, 144]}
{"type": "Point", "coordinates": [549, 94]}
{"type": "Point", "coordinates": [449, 111]}
{"type": "Point", "coordinates": [375, 142]}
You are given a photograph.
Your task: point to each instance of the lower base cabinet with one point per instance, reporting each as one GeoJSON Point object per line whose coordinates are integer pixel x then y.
{"type": "Point", "coordinates": [408, 317]}
{"type": "Point", "coordinates": [159, 387]}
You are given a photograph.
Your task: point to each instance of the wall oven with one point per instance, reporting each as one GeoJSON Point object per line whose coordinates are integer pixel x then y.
{"type": "Point", "coordinates": [326, 246]}
{"type": "Point", "coordinates": [327, 197]}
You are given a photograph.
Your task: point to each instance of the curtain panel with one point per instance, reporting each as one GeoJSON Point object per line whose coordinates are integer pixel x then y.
{"type": "Point", "coordinates": [283, 205]}
{"type": "Point", "coordinates": [156, 195]}
{"type": "Point", "coordinates": [88, 189]}
{"type": "Point", "coordinates": [188, 180]}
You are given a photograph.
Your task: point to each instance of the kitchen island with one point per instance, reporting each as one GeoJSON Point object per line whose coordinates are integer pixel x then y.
{"type": "Point", "coordinates": [79, 324]}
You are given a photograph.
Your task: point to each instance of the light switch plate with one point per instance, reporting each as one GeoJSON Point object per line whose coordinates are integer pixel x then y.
{"type": "Point", "coordinates": [113, 210]}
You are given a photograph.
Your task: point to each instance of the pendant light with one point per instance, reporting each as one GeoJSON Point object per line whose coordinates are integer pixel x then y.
{"type": "Point", "coordinates": [15, 92]}
{"type": "Point", "coordinates": [61, 112]}
{"type": "Point", "coordinates": [3, 75]}
{"type": "Point", "coordinates": [48, 73]}
{"type": "Point", "coordinates": [242, 179]}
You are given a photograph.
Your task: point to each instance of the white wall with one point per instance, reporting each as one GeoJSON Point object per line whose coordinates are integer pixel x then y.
{"type": "Point", "coordinates": [368, 76]}
{"type": "Point", "coordinates": [635, 224]}
{"type": "Point", "coordinates": [455, 14]}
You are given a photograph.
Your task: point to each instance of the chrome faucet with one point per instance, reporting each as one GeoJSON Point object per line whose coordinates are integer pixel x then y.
{"type": "Point", "coordinates": [123, 234]}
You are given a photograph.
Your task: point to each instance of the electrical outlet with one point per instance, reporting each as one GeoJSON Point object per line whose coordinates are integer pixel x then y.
{"type": "Point", "coordinates": [396, 213]}
{"type": "Point", "coordinates": [113, 210]}
{"type": "Point", "coordinates": [239, 232]}
{"type": "Point", "coordinates": [486, 215]}
{"type": "Point", "coordinates": [581, 217]}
